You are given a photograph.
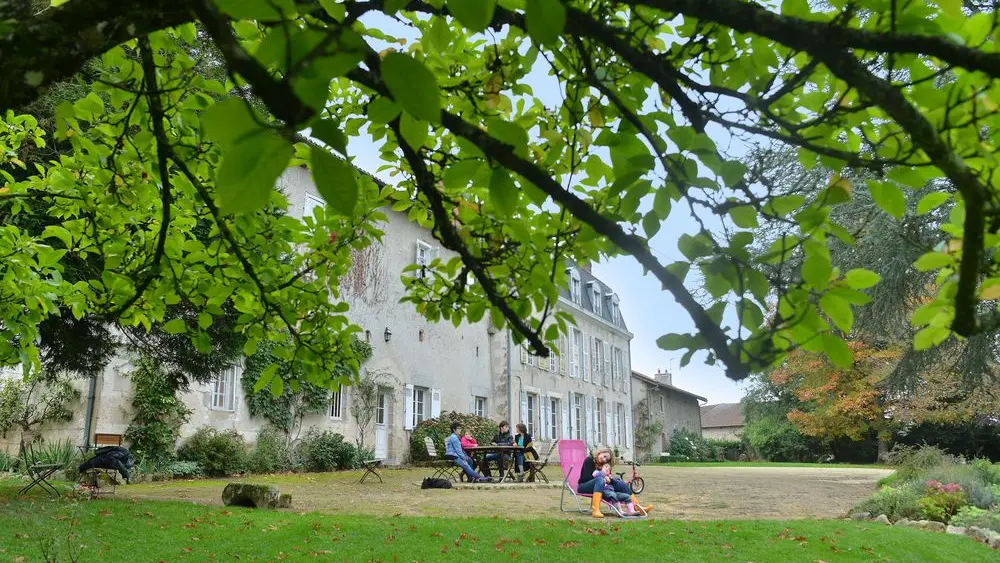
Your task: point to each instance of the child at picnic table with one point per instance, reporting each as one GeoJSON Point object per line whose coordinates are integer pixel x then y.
{"type": "Point", "coordinates": [468, 441]}
{"type": "Point", "coordinates": [604, 474]}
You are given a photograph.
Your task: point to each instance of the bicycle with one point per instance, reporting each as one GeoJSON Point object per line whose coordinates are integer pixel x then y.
{"type": "Point", "coordinates": [635, 483]}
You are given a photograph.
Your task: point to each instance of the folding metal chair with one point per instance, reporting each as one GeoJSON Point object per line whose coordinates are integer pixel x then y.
{"type": "Point", "coordinates": [443, 467]}
{"type": "Point", "coordinates": [535, 467]}
{"type": "Point", "coordinates": [571, 456]}
{"type": "Point", "coordinates": [371, 468]}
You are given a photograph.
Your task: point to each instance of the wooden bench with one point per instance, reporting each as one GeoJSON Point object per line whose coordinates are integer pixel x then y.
{"type": "Point", "coordinates": [107, 440]}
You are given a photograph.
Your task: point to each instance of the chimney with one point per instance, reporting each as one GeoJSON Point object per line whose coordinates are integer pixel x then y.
{"type": "Point", "coordinates": [585, 267]}
{"type": "Point", "coordinates": [664, 377]}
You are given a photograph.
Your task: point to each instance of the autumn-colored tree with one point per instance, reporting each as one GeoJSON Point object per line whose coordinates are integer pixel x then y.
{"type": "Point", "coordinates": [942, 397]}
{"type": "Point", "coordinates": [838, 402]}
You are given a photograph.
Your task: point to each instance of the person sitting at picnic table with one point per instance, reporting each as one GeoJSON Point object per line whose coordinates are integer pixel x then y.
{"type": "Point", "coordinates": [523, 439]}
{"type": "Point", "coordinates": [468, 441]}
{"type": "Point", "coordinates": [503, 438]}
{"type": "Point", "coordinates": [453, 449]}
{"type": "Point", "coordinates": [609, 493]}
{"type": "Point", "coordinates": [588, 485]}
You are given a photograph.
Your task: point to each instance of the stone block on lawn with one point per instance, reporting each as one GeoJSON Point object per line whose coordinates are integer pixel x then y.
{"type": "Point", "coordinates": [255, 496]}
{"type": "Point", "coordinates": [882, 519]}
{"type": "Point", "coordinates": [861, 516]}
{"type": "Point", "coordinates": [955, 530]}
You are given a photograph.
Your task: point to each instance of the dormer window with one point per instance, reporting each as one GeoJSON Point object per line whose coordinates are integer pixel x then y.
{"type": "Point", "coordinates": [597, 301]}
{"type": "Point", "coordinates": [614, 309]}
{"type": "Point", "coordinates": [575, 288]}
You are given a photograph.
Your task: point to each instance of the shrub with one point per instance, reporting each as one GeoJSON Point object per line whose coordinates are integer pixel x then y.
{"type": "Point", "coordinates": [8, 463]}
{"type": "Point", "coordinates": [979, 493]}
{"type": "Point", "coordinates": [988, 472]}
{"type": "Point", "coordinates": [325, 451]}
{"type": "Point", "coordinates": [913, 462]}
{"type": "Point", "coordinates": [727, 449]}
{"type": "Point", "coordinates": [218, 453]}
{"type": "Point", "coordinates": [973, 516]}
{"type": "Point", "coordinates": [62, 452]}
{"type": "Point", "coordinates": [895, 502]}
{"type": "Point", "coordinates": [157, 412]}
{"type": "Point", "coordinates": [270, 454]}
{"type": "Point", "coordinates": [438, 429]}
{"type": "Point", "coordinates": [776, 440]}
{"type": "Point", "coordinates": [183, 469]}
{"type": "Point", "coordinates": [942, 500]}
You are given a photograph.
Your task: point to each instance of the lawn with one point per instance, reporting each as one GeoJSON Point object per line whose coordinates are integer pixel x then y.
{"type": "Point", "coordinates": [769, 464]}
{"type": "Point", "coordinates": [143, 530]}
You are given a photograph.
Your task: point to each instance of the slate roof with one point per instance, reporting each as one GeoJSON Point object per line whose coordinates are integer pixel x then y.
{"type": "Point", "coordinates": [587, 280]}
{"type": "Point", "coordinates": [722, 414]}
{"type": "Point", "coordinates": [652, 381]}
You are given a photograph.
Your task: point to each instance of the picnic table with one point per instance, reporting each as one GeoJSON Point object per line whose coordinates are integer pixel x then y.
{"type": "Point", "coordinates": [39, 473]}
{"type": "Point", "coordinates": [506, 470]}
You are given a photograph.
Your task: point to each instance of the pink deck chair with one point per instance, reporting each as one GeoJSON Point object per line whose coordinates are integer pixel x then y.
{"type": "Point", "coordinates": [571, 456]}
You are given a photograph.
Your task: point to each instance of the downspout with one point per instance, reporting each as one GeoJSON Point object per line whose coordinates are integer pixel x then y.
{"type": "Point", "coordinates": [510, 369]}
{"type": "Point", "coordinates": [91, 396]}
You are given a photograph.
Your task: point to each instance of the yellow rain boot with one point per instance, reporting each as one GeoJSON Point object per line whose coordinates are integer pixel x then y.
{"type": "Point", "coordinates": [646, 508]}
{"type": "Point", "coordinates": [595, 506]}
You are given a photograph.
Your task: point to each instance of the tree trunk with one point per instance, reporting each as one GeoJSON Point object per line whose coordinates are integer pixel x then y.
{"type": "Point", "coordinates": [883, 451]}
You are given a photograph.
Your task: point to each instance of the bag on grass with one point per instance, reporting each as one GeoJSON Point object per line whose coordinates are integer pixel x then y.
{"type": "Point", "coordinates": [430, 483]}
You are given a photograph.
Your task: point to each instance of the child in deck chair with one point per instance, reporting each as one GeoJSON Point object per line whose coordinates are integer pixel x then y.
{"type": "Point", "coordinates": [604, 474]}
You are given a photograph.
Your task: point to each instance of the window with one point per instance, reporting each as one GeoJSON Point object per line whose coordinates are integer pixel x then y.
{"type": "Point", "coordinates": [598, 355]}
{"type": "Point", "coordinates": [419, 405]}
{"type": "Point", "coordinates": [481, 407]}
{"type": "Point", "coordinates": [599, 421]}
{"type": "Point", "coordinates": [380, 408]}
{"type": "Point", "coordinates": [607, 364]}
{"type": "Point", "coordinates": [532, 411]}
{"type": "Point", "coordinates": [553, 421]}
{"type": "Point", "coordinates": [597, 300]}
{"type": "Point", "coordinates": [574, 285]}
{"type": "Point", "coordinates": [423, 258]}
{"type": "Point", "coordinates": [224, 390]}
{"type": "Point", "coordinates": [577, 416]}
{"type": "Point", "coordinates": [662, 409]}
{"type": "Point", "coordinates": [337, 404]}
{"type": "Point", "coordinates": [615, 313]}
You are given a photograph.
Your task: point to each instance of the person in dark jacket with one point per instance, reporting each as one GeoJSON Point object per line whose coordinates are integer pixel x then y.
{"type": "Point", "coordinates": [503, 438]}
{"type": "Point", "coordinates": [588, 485]}
{"type": "Point", "coordinates": [111, 457]}
{"type": "Point", "coordinates": [523, 439]}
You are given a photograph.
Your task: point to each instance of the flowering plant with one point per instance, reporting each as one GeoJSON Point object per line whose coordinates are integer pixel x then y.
{"type": "Point", "coordinates": [942, 500]}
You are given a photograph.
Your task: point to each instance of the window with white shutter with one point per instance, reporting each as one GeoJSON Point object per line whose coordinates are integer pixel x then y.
{"type": "Point", "coordinates": [555, 412]}
{"type": "Point", "coordinates": [408, 396]}
{"type": "Point", "coordinates": [435, 403]}
{"type": "Point", "coordinates": [564, 354]}
{"type": "Point", "coordinates": [424, 254]}
{"type": "Point", "coordinates": [606, 379]}
{"type": "Point", "coordinates": [595, 361]}
{"type": "Point", "coordinates": [585, 357]}
{"type": "Point", "coordinates": [524, 354]}
{"type": "Point", "coordinates": [224, 390]}
{"type": "Point", "coordinates": [576, 353]}
{"type": "Point", "coordinates": [577, 416]}
{"type": "Point", "coordinates": [337, 404]}
{"type": "Point", "coordinates": [553, 361]}
{"type": "Point", "coordinates": [599, 422]}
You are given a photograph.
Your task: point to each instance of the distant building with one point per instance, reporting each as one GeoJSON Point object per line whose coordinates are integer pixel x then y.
{"type": "Point", "coordinates": [723, 421]}
{"type": "Point", "coordinates": [655, 399]}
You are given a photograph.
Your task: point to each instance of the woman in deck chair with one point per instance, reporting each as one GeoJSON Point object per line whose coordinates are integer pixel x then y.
{"type": "Point", "coordinates": [595, 487]}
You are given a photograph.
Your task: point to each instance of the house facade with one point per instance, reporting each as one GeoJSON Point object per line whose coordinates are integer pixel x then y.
{"type": "Point", "coordinates": [581, 391]}
{"type": "Point", "coordinates": [723, 421]}
{"type": "Point", "coordinates": [424, 368]}
{"type": "Point", "coordinates": [657, 400]}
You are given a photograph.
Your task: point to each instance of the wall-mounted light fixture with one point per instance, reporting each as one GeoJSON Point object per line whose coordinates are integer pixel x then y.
{"type": "Point", "coordinates": [387, 334]}
{"type": "Point", "coordinates": [420, 335]}
{"type": "Point", "coordinates": [368, 336]}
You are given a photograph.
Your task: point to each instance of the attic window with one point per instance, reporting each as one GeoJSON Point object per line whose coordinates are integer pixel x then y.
{"type": "Point", "coordinates": [615, 312]}
{"type": "Point", "coordinates": [597, 301]}
{"type": "Point", "coordinates": [575, 288]}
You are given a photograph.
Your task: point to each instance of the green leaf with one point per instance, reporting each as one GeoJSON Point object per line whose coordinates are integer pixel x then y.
{"type": "Point", "coordinates": [392, 6]}
{"type": "Point", "coordinates": [889, 197]}
{"type": "Point", "coordinates": [651, 224]}
{"type": "Point", "coordinates": [836, 349]}
{"type": "Point", "coordinates": [335, 181]}
{"type": "Point", "coordinates": [860, 278]}
{"type": "Point", "coordinates": [545, 20]}
{"type": "Point", "coordinates": [229, 121]}
{"type": "Point", "coordinates": [473, 14]}
{"type": "Point", "coordinates": [503, 192]}
{"type": "Point", "coordinates": [277, 386]}
{"type": "Point", "coordinates": [413, 86]}
{"type": "Point", "coordinates": [458, 175]}
{"type": "Point", "coordinates": [250, 347]}
{"type": "Point", "coordinates": [673, 341]}
{"type": "Point", "coordinates": [382, 110]}
{"type": "Point", "coordinates": [257, 9]}
{"type": "Point", "coordinates": [328, 131]}
{"type": "Point", "coordinates": [933, 261]}
{"type": "Point", "coordinates": [414, 131]}
{"type": "Point", "coordinates": [249, 171]}
{"type": "Point", "coordinates": [932, 201]}
{"type": "Point", "coordinates": [816, 270]}
{"type": "Point", "coordinates": [839, 311]}
{"type": "Point", "coordinates": [929, 337]}
{"type": "Point", "coordinates": [175, 326]}
{"type": "Point", "coordinates": [786, 204]}
{"type": "Point", "coordinates": [744, 216]}
{"type": "Point", "coordinates": [732, 172]}
{"type": "Point", "coordinates": [679, 269]}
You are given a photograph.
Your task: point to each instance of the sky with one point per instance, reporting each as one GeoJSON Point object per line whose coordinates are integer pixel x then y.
{"type": "Point", "coordinates": [648, 310]}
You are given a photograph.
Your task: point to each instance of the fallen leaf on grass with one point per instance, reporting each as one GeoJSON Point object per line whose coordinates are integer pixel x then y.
{"type": "Point", "coordinates": [21, 536]}
{"type": "Point", "coordinates": [540, 541]}
{"type": "Point", "coordinates": [321, 552]}
{"type": "Point", "coordinates": [564, 545]}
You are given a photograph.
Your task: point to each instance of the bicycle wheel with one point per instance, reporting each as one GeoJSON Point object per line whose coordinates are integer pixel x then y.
{"type": "Point", "coordinates": [637, 485]}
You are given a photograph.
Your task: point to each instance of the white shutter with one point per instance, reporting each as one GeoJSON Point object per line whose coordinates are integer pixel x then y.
{"type": "Point", "coordinates": [524, 407]}
{"type": "Point", "coordinates": [524, 354]}
{"type": "Point", "coordinates": [472, 404]}
{"type": "Point", "coordinates": [588, 418]}
{"type": "Point", "coordinates": [628, 427]}
{"type": "Point", "coordinates": [435, 403]}
{"type": "Point", "coordinates": [609, 423]}
{"type": "Point", "coordinates": [564, 354]}
{"type": "Point", "coordinates": [607, 364]}
{"type": "Point", "coordinates": [408, 407]}
{"type": "Point", "coordinates": [574, 354]}
{"type": "Point", "coordinates": [565, 418]}
{"type": "Point", "coordinates": [553, 361]}
{"type": "Point", "coordinates": [543, 409]}
{"type": "Point", "coordinates": [586, 358]}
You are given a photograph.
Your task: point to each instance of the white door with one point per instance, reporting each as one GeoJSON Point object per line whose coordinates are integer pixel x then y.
{"type": "Point", "coordinates": [382, 425]}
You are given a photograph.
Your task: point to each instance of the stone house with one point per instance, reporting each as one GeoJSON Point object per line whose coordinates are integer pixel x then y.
{"type": "Point", "coordinates": [424, 368]}
{"type": "Point", "coordinates": [581, 391]}
{"type": "Point", "coordinates": [723, 421]}
{"type": "Point", "coordinates": [656, 399]}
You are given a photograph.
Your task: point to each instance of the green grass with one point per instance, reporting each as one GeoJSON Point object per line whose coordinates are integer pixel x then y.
{"type": "Point", "coordinates": [770, 464]}
{"type": "Point", "coordinates": [124, 530]}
